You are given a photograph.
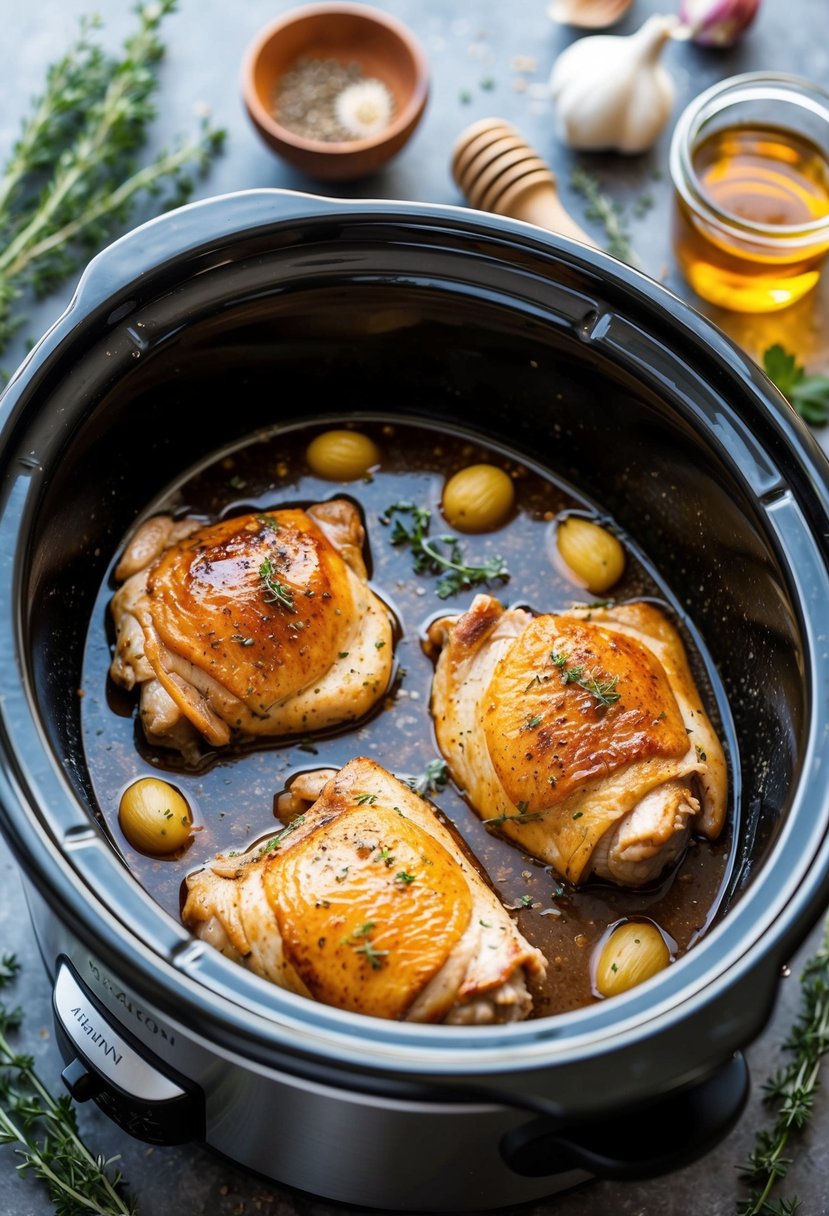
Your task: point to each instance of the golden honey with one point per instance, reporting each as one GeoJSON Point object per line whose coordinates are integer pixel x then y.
{"type": "Point", "coordinates": [751, 212]}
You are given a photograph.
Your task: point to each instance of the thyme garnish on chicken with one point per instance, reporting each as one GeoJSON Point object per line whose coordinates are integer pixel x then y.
{"type": "Point", "coordinates": [275, 592]}
{"type": "Point", "coordinates": [791, 1091]}
{"type": "Point", "coordinates": [361, 943]}
{"type": "Point", "coordinates": [72, 179]}
{"type": "Point", "coordinates": [603, 690]}
{"type": "Point", "coordinates": [522, 815]}
{"type": "Point", "coordinates": [45, 1133]}
{"type": "Point", "coordinates": [457, 574]}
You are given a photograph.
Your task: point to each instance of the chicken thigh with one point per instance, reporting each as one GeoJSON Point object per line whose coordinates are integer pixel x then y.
{"type": "Point", "coordinates": [366, 902]}
{"type": "Point", "coordinates": [257, 625]}
{"type": "Point", "coordinates": [581, 735]}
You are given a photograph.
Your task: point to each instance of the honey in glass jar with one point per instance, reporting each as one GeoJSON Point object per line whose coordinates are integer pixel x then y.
{"type": "Point", "coordinates": [750, 166]}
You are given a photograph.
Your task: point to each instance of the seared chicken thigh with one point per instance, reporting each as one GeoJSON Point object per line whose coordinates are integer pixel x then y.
{"type": "Point", "coordinates": [258, 625]}
{"type": "Point", "coordinates": [580, 734]}
{"type": "Point", "coordinates": [366, 902]}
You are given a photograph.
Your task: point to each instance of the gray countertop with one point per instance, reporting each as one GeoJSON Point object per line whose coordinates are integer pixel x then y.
{"type": "Point", "coordinates": [475, 49]}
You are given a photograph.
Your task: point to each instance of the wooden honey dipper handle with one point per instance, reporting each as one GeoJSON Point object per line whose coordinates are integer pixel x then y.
{"type": "Point", "coordinates": [498, 171]}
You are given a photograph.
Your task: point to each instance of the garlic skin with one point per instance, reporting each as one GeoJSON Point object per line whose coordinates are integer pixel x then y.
{"type": "Point", "coordinates": [719, 23]}
{"type": "Point", "coordinates": [588, 14]}
{"type": "Point", "coordinates": [611, 92]}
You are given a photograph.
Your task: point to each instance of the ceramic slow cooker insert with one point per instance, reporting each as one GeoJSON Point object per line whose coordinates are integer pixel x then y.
{"type": "Point", "coordinates": [261, 309]}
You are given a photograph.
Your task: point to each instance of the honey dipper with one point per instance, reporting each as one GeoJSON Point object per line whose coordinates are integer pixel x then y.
{"type": "Point", "coordinates": [498, 171]}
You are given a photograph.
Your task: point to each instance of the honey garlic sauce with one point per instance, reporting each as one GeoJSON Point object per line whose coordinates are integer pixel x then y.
{"type": "Point", "coordinates": [233, 792]}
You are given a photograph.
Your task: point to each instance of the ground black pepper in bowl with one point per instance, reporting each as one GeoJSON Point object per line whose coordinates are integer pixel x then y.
{"type": "Point", "coordinates": [331, 101]}
{"type": "Point", "coordinates": [336, 89]}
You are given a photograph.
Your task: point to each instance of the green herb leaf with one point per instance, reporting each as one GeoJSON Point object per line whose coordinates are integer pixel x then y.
{"type": "Point", "coordinates": [276, 840]}
{"type": "Point", "coordinates": [427, 558]}
{"type": "Point", "coordinates": [72, 179]}
{"type": "Point", "coordinates": [520, 817]}
{"type": "Point", "coordinates": [45, 1134]}
{"type": "Point", "coordinates": [432, 780]}
{"type": "Point", "coordinates": [791, 1091]}
{"type": "Point", "coordinates": [275, 591]}
{"type": "Point", "coordinates": [807, 394]}
{"type": "Point", "coordinates": [608, 212]}
{"type": "Point", "coordinates": [604, 691]}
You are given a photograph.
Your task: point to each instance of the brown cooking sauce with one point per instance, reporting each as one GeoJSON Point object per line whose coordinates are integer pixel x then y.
{"type": "Point", "coordinates": [232, 793]}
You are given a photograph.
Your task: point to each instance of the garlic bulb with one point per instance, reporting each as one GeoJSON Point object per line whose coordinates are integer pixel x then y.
{"type": "Point", "coordinates": [611, 92]}
{"type": "Point", "coordinates": [588, 14]}
{"type": "Point", "coordinates": [716, 22]}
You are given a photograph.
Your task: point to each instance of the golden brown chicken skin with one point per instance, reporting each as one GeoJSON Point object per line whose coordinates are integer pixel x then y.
{"type": "Point", "coordinates": [368, 903]}
{"type": "Point", "coordinates": [263, 624]}
{"type": "Point", "coordinates": [581, 734]}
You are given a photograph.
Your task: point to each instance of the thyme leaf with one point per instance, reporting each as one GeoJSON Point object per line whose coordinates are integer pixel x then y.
{"type": "Point", "coordinates": [519, 817]}
{"type": "Point", "coordinates": [432, 780]}
{"type": "Point", "coordinates": [276, 840]}
{"type": "Point", "coordinates": [604, 691]}
{"type": "Point", "coordinates": [791, 1091]}
{"type": "Point", "coordinates": [608, 212]}
{"type": "Point", "coordinates": [45, 1133]}
{"type": "Point", "coordinates": [275, 591]}
{"type": "Point", "coordinates": [361, 943]}
{"type": "Point", "coordinates": [427, 558]}
{"type": "Point", "coordinates": [72, 179]}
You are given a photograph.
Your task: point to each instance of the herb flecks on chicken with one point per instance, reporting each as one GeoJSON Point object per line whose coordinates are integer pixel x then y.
{"type": "Point", "coordinates": [578, 735]}
{"type": "Point", "coordinates": [254, 626]}
{"type": "Point", "coordinates": [370, 905]}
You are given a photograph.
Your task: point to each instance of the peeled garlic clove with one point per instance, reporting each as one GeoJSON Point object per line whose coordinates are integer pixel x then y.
{"type": "Point", "coordinates": [593, 555]}
{"type": "Point", "coordinates": [716, 22]}
{"type": "Point", "coordinates": [154, 817]}
{"type": "Point", "coordinates": [478, 498]}
{"type": "Point", "coordinates": [633, 952]}
{"type": "Point", "coordinates": [588, 14]}
{"type": "Point", "coordinates": [611, 92]}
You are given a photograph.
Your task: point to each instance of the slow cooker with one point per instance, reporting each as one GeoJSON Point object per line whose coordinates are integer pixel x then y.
{"type": "Point", "coordinates": [267, 306]}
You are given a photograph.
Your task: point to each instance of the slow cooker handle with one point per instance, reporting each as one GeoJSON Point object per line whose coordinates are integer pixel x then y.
{"type": "Point", "coordinates": [641, 1142]}
{"type": "Point", "coordinates": [193, 228]}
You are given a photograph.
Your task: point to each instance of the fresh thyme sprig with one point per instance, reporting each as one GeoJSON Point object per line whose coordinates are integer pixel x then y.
{"type": "Point", "coordinates": [275, 592]}
{"type": "Point", "coordinates": [604, 691]}
{"type": "Point", "coordinates": [791, 1091]}
{"type": "Point", "coordinates": [432, 780]}
{"type": "Point", "coordinates": [45, 1131]}
{"type": "Point", "coordinates": [608, 212]}
{"type": "Point", "coordinates": [457, 575]}
{"type": "Point", "coordinates": [361, 943]}
{"type": "Point", "coordinates": [522, 815]}
{"type": "Point", "coordinates": [72, 178]}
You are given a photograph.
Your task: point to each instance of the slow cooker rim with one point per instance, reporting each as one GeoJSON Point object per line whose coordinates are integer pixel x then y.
{"type": "Point", "coordinates": [699, 329]}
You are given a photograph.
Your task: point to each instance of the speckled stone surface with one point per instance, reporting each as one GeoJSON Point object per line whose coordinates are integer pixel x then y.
{"type": "Point", "coordinates": [487, 58]}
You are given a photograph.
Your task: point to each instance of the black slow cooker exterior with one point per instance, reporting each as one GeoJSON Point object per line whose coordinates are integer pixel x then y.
{"type": "Point", "coordinates": [262, 308]}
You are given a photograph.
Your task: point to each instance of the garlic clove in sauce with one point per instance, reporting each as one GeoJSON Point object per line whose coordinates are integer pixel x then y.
{"type": "Point", "coordinates": [612, 92]}
{"type": "Point", "coordinates": [588, 14]}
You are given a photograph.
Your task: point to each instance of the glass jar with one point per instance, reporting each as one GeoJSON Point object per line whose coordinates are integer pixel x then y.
{"type": "Point", "coordinates": [750, 167]}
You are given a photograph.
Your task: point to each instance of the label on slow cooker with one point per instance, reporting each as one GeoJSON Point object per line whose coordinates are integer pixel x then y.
{"type": "Point", "coordinates": [103, 1047]}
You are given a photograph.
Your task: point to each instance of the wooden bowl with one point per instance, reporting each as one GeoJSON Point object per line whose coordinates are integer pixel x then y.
{"type": "Point", "coordinates": [383, 50]}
